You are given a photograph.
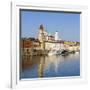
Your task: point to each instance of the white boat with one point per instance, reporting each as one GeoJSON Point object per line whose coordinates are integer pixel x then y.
{"type": "Point", "coordinates": [77, 52]}
{"type": "Point", "coordinates": [52, 52]}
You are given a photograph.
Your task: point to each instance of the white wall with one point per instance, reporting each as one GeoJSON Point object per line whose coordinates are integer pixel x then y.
{"type": "Point", "coordinates": [5, 45]}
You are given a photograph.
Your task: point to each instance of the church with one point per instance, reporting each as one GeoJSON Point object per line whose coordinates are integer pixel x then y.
{"type": "Point", "coordinates": [49, 42]}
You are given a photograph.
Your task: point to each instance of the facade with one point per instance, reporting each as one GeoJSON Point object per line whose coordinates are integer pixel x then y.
{"type": "Point", "coordinates": [51, 38]}
{"type": "Point", "coordinates": [54, 45]}
{"type": "Point", "coordinates": [42, 36]}
{"type": "Point", "coordinates": [49, 42]}
{"type": "Point", "coordinates": [72, 46]}
{"type": "Point", "coordinates": [29, 44]}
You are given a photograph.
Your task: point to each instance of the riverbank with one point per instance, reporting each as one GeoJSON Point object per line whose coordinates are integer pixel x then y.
{"type": "Point", "coordinates": [48, 52]}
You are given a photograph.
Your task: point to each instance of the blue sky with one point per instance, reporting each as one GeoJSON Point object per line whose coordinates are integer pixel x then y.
{"type": "Point", "coordinates": [67, 24]}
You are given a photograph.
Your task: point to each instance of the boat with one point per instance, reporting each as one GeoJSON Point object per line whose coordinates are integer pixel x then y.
{"type": "Point", "coordinates": [52, 52]}
{"type": "Point", "coordinates": [64, 53]}
{"type": "Point", "coordinates": [77, 52]}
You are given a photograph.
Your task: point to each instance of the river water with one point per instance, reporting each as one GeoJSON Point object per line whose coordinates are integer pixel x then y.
{"type": "Point", "coordinates": [50, 66]}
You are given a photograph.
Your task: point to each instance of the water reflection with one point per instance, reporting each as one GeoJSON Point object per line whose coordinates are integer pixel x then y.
{"type": "Point", "coordinates": [50, 66]}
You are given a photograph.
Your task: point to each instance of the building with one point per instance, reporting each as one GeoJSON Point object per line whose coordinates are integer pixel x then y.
{"type": "Point", "coordinates": [42, 37]}
{"type": "Point", "coordinates": [29, 44]}
{"type": "Point", "coordinates": [49, 42]}
{"type": "Point", "coordinates": [56, 36]}
{"type": "Point", "coordinates": [72, 46]}
{"type": "Point", "coordinates": [45, 43]}
{"type": "Point", "coordinates": [51, 38]}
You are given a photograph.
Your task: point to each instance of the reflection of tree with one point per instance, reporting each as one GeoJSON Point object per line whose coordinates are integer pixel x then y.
{"type": "Point", "coordinates": [41, 66]}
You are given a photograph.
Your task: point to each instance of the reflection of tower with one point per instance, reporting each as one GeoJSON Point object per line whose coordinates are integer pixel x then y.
{"type": "Point", "coordinates": [41, 66]}
{"type": "Point", "coordinates": [56, 36]}
{"type": "Point", "coordinates": [41, 36]}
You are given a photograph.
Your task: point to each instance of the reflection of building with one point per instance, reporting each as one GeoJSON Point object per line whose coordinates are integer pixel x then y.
{"type": "Point", "coordinates": [41, 66]}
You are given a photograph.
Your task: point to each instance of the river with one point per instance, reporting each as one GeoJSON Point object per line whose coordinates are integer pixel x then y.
{"type": "Point", "coordinates": [50, 66]}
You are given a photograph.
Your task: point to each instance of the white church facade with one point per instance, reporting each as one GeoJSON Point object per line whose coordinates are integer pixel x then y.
{"type": "Point", "coordinates": [49, 42]}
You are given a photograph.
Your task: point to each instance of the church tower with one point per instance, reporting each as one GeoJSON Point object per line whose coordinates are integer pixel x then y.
{"type": "Point", "coordinates": [56, 36]}
{"type": "Point", "coordinates": [41, 36]}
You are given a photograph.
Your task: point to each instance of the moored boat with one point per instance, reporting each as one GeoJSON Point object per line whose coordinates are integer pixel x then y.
{"type": "Point", "coordinates": [64, 52]}
{"type": "Point", "coordinates": [52, 52]}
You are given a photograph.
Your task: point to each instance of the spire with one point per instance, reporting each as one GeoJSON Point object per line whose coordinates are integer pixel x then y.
{"type": "Point", "coordinates": [41, 27]}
